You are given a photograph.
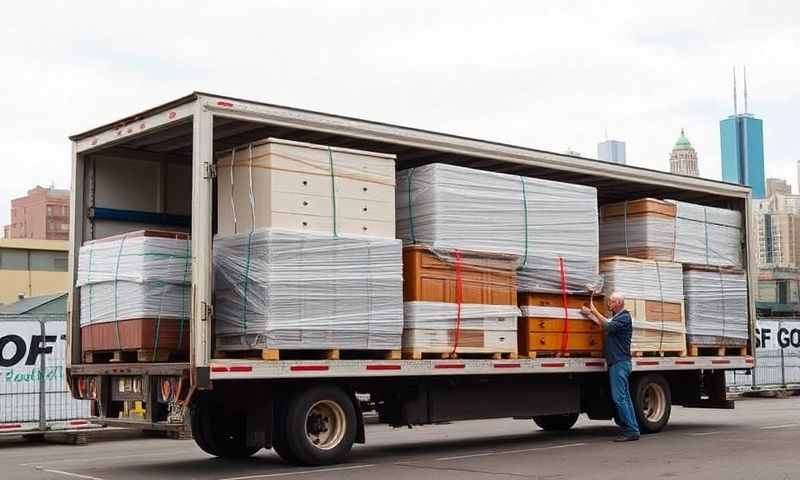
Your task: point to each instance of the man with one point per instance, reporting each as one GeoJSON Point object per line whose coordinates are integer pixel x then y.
{"type": "Point", "coordinates": [618, 355]}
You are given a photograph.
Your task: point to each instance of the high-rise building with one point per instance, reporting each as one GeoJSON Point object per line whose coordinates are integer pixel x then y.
{"type": "Point", "coordinates": [43, 214]}
{"type": "Point", "coordinates": [798, 176]}
{"type": "Point", "coordinates": [742, 144]}
{"type": "Point", "coordinates": [778, 185]}
{"type": "Point", "coordinates": [683, 159]}
{"type": "Point", "coordinates": [611, 151]}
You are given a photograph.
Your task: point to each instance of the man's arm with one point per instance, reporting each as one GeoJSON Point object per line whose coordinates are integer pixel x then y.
{"type": "Point", "coordinates": [594, 314]}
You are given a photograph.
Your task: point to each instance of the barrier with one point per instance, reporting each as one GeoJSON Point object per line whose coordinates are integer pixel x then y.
{"type": "Point", "coordinates": [777, 364]}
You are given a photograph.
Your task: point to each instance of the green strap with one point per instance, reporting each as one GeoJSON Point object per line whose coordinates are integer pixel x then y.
{"type": "Point", "coordinates": [246, 280]}
{"type": "Point", "coordinates": [158, 317]}
{"type": "Point", "coordinates": [116, 274]}
{"type": "Point", "coordinates": [184, 289]}
{"type": "Point", "coordinates": [333, 189]}
{"type": "Point", "coordinates": [525, 226]}
{"type": "Point", "coordinates": [410, 207]}
{"type": "Point", "coordinates": [89, 280]}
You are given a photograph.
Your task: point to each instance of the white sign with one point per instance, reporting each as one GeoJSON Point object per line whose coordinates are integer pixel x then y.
{"type": "Point", "coordinates": [22, 346]}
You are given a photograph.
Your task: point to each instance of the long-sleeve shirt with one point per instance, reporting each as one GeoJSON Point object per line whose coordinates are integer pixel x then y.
{"type": "Point", "coordinates": [619, 331]}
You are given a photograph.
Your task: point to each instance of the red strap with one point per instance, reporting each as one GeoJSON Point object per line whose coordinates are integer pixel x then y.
{"type": "Point", "coordinates": [565, 333]}
{"type": "Point", "coordinates": [459, 298]}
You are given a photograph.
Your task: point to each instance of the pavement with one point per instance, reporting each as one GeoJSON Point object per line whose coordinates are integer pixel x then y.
{"type": "Point", "coordinates": [757, 440]}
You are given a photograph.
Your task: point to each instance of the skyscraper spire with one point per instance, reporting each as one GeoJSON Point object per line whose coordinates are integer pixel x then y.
{"type": "Point", "coordinates": [735, 108]}
{"type": "Point", "coordinates": [745, 89]}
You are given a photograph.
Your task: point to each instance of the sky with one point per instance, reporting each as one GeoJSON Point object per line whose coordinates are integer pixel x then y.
{"type": "Point", "coordinates": [548, 75]}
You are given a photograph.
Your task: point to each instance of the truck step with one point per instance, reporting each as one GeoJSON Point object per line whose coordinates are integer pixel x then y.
{"type": "Point", "coordinates": [716, 351]}
{"type": "Point", "coordinates": [324, 354]}
{"type": "Point", "coordinates": [467, 352]}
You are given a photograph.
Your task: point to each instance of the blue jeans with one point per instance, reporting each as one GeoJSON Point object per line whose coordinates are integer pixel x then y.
{"type": "Point", "coordinates": [625, 416]}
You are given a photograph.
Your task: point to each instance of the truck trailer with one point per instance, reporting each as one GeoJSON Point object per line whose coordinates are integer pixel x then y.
{"type": "Point", "coordinates": [158, 168]}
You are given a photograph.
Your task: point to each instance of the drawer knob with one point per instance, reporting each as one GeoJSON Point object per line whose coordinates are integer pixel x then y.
{"type": "Point", "coordinates": [542, 341]}
{"type": "Point", "coordinates": [541, 323]}
{"type": "Point", "coordinates": [365, 189]}
{"type": "Point", "coordinates": [305, 203]}
{"type": "Point", "coordinates": [305, 224]}
{"type": "Point", "coordinates": [365, 209]}
{"type": "Point", "coordinates": [591, 341]}
{"type": "Point", "coordinates": [305, 183]}
{"type": "Point", "coordinates": [364, 228]}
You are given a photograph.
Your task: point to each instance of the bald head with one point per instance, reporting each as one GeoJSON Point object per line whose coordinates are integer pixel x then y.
{"type": "Point", "coordinates": [616, 302]}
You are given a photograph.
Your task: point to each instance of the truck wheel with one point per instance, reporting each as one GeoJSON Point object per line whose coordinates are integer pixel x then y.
{"type": "Point", "coordinates": [279, 434]}
{"type": "Point", "coordinates": [320, 426]}
{"type": "Point", "coordinates": [218, 435]}
{"type": "Point", "coordinates": [556, 423]}
{"type": "Point", "coordinates": [652, 401]}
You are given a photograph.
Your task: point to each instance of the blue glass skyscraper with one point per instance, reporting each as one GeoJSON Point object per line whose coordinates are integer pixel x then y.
{"type": "Point", "coordinates": [742, 144]}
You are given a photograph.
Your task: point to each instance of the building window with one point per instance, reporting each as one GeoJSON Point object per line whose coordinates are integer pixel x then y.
{"type": "Point", "coordinates": [47, 261]}
{"type": "Point", "coordinates": [13, 259]}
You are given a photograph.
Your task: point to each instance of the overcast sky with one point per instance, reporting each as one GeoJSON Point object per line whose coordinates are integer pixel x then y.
{"type": "Point", "coordinates": [549, 75]}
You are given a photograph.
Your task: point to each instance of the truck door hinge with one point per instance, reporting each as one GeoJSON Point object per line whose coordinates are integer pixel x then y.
{"type": "Point", "coordinates": [209, 170]}
{"type": "Point", "coordinates": [206, 311]}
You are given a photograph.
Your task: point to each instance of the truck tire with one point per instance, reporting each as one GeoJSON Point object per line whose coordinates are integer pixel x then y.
{"type": "Point", "coordinates": [320, 427]}
{"type": "Point", "coordinates": [652, 401]}
{"type": "Point", "coordinates": [218, 435]}
{"type": "Point", "coordinates": [556, 423]}
{"type": "Point", "coordinates": [279, 435]}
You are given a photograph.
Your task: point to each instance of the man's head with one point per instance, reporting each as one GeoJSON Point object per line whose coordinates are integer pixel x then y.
{"type": "Point", "coordinates": [616, 302]}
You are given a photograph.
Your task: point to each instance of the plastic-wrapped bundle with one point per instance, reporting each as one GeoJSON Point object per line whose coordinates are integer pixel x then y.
{"type": "Point", "coordinates": [708, 235]}
{"type": "Point", "coordinates": [716, 306]}
{"type": "Point", "coordinates": [290, 290]}
{"type": "Point", "coordinates": [141, 256]}
{"type": "Point", "coordinates": [121, 300]}
{"type": "Point", "coordinates": [449, 208]}
{"type": "Point", "coordinates": [465, 328]}
{"type": "Point", "coordinates": [672, 231]}
{"type": "Point", "coordinates": [654, 296]}
{"type": "Point", "coordinates": [305, 187]}
{"type": "Point", "coordinates": [135, 292]}
{"type": "Point", "coordinates": [642, 279]}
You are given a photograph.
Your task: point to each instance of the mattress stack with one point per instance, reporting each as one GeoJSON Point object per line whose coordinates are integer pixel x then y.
{"type": "Point", "coordinates": [135, 293]}
{"type": "Point", "coordinates": [545, 232]}
{"type": "Point", "coordinates": [306, 258]}
{"type": "Point", "coordinates": [654, 296]}
{"type": "Point", "coordinates": [460, 304]}
{"type": "Point", "coordinates": [548, 327]}
{"type": "Point", "coordinates": [716, 306]}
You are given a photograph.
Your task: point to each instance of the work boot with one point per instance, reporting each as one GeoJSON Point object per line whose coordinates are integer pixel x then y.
{"type": "Point", "coordinates": [625, 438]}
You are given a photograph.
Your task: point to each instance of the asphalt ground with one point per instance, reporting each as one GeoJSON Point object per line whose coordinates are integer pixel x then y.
{"type": "Point", "coordinates": [760, 439]}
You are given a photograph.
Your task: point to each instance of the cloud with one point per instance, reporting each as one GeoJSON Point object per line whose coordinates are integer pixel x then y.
{"type": "Point", "coordinates": [545, 75]}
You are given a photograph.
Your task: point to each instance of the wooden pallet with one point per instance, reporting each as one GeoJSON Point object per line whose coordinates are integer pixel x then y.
{"type": "Point", "coordinates": [127, 356]}
{"type": "Point", "coordinates": [702, 351]}
{"type": "Point", "coordinates": [659, 353]}
{"type": "Point", "coordinates": [414, 354]}
{"type": "Point", "coordinates": [569, 354]}
{"type": "Point", "coordinates": [272, 354]}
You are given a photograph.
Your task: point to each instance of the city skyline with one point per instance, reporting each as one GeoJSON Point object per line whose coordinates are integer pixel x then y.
{"type": "Point", "coordinates": [511, 84]}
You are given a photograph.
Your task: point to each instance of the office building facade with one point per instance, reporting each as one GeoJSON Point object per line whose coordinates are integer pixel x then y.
{"type": "Point", "coordinates": [683, 158]}
{"type": "Point", "coordinates": [742, 147]}
{"type": "Point", "coordinates": [611, 151]}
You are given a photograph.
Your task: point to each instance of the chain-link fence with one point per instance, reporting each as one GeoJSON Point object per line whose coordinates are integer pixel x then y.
{"type": "Point", "coordinates": [34, 396]}
{"type": "Point", "coordinates": [777, 364]}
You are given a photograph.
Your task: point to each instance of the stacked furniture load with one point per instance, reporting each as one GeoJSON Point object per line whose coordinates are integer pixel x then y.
{"type": "Point", "coordinates": [305, 259]}
{"type": "Point", "coordinates": [464, 303]}
{"type": "Point", "coordinates": [672, 231]}
{"type": "Point", "coordinates": [549, 326]}
{"type": "Point", "coordinates": [654, 296]}
{"type": "Point", "coordinates": [134, 296]}
{"type": "Point", "coordinates": [707, 243]}
{"type": "Point", "coordinates": [461, 215]}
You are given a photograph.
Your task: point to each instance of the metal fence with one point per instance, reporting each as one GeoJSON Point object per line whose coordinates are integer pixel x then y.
{"type": "Point", "coordinates": [777, 358]}
{"type": "Point", "coordinates": [34, 396]}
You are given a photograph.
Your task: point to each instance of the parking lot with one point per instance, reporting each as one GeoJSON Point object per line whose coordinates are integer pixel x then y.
{"type": "Point", "coordinates": [758, 440]}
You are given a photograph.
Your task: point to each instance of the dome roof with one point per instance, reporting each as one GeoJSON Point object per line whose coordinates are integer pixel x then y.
{"type": "Point", "coordinates": [683, 143]}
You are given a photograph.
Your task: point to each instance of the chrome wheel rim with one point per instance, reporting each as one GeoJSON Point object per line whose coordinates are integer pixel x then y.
{"type": "Point", "coordinates": [325, 424]}
{"type": "Point", "coordinates": [654, 402]}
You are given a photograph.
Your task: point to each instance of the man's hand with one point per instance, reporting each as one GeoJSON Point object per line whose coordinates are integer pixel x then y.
{"type": "Point", "coordinates": [586, 311]}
